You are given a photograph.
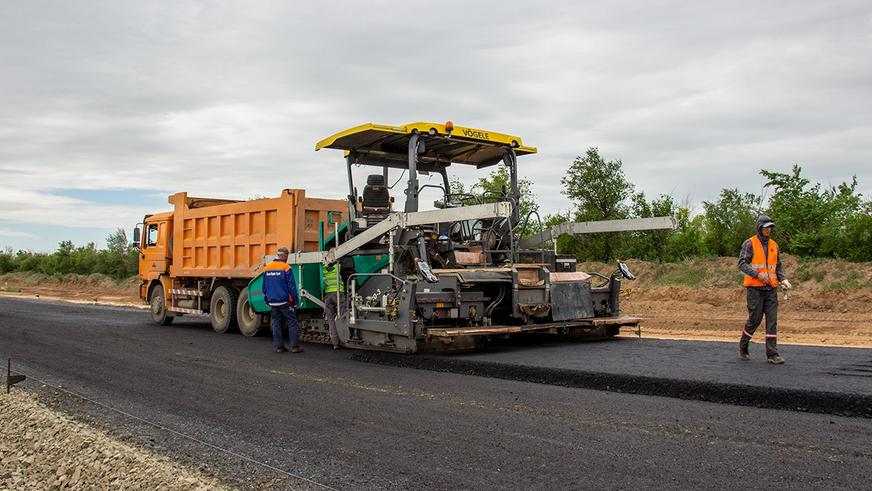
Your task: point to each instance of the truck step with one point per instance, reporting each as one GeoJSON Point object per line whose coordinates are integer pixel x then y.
{"type": "Point", "coordinates": [187, 291]}
{"type": "Point", "coordinates": [181, 310]}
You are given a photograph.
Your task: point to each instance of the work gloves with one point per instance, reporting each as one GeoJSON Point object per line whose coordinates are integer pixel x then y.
{"type": "Point", "coordinates": [785, 283]}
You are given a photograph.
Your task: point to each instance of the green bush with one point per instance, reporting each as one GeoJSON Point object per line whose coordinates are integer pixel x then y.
{"type": "Point", "coordinates": [811, 220]}
{"type": "Point", "coordinates": [7, 262]}
{"type": "Point", "coordinates": [118, 261]}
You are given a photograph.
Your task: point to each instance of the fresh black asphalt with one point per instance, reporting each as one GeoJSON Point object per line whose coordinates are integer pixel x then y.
{"type": "Point", "coordinates": [351, 425]}
{"type": "Point", "coordinates": [816, 379]}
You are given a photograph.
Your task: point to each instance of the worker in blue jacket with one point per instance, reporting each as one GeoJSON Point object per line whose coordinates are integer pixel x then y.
{"type": "Point", "coordinates": [280, 291]}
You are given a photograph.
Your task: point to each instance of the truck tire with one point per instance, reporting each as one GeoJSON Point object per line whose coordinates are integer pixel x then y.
{"type": "Point", "coordinates": [249, 321]}
{"type": "Point", "coordinates": [222, 309]}
{"type": "Point", "coordinates": [158, 306]}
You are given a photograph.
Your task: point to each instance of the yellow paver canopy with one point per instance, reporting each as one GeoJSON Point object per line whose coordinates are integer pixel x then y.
{"type": "Point", "coordinates": [460, 145]}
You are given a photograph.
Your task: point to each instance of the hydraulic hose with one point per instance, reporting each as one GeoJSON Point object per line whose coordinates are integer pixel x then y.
{"type": "Point", "coordinates": [491, 306]}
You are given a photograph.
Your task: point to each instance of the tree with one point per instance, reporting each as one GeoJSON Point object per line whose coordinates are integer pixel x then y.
{"type": "Point", "coordinates": [730, 220]}
{"type": "Point", "coordinates": [117, 242]}
{"type": "Point", "coordinates": [647, 244]}
{"type": "Point", "coordinates": [66, 247]}
{"type": "Point", "coordinates": [565, 243]}
{"type": "Point", "coordinates": [688, 239]}
{"type": "Point", "coordinates": [811, 221]}
{"type": "Point", "coordinates": [7, 261]}
{"type": "Point", "coordinates": [857, 236]}
{"type": "Point", "coordinates": [599, 191]}
{"type": "Point", "coordinates": [119, 259]}
{"type": "Point", "coordinates": [498, 184]}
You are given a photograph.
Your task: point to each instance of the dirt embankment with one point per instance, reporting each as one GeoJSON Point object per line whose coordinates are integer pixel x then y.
{"type": "Point", "coordinates": [42, 449]}
{"type": "Point", "coordinates": [703, 299]}
{"type": "Point", "coordinates": [95, 288]}
{"type": "Point", "coordinates": [699, 299]}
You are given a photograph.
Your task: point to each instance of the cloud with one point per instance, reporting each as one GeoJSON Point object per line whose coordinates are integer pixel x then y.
{"type": "Point", "coordinates": [29, 207]}
{"type": "Point", "coordinates": [221, 99]}
{"type": "Point", "coordinates": [16, 234]}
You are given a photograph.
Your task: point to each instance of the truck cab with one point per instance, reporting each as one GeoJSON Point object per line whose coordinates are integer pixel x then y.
{"type": "Point", "coordinates": [154, 240]}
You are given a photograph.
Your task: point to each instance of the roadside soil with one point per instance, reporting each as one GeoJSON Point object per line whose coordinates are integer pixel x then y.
{"type": "Point", "coordinates": [700, 299]}
{"type": "Point", "coordinates": [703, 299]}
{"type": "Point", "coordinates": [74, 288]}
{"type": "Point", "coordinates": [44, 449]}
{"type": "Point", "coordinates": [807, 316]}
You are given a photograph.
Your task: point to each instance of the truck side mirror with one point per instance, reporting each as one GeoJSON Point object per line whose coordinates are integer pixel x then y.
{"type": "Point", "coordinates": [136, 237]}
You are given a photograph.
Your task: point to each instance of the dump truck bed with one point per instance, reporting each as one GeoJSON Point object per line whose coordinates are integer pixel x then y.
{"type": "Point", "coordinates": [224, 238]}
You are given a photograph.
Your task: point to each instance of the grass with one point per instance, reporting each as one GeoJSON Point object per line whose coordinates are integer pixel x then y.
{"type": "Point", "coordinates": [682, 275]}
{"type": "Point", "coordinates": [847, 280]}
{"type": "Point", "coordinates": [804, 274]}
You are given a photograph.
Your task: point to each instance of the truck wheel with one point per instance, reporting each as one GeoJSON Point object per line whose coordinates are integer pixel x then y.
{"type": "Point", "coordinates": [158, 307]}
{"type": "Point", "coordinates": [222, 309]}
{"type": "Point", "coordinates": [249, 321]}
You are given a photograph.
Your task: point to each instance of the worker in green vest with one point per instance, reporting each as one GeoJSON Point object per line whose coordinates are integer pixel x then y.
{"type": "Point", "coordinates": [330, 284]}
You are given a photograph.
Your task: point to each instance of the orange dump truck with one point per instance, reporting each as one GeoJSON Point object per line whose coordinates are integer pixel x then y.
{"type": "Point", "coordinates": [199, 258]}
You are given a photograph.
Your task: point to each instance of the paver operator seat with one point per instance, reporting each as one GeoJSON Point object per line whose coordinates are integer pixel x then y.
{"type": "Point", "coordinates": [376, 201]}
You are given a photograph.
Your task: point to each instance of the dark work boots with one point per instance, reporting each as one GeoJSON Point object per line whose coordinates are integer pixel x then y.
{"type": "Point", "coordinates": [775, 359]}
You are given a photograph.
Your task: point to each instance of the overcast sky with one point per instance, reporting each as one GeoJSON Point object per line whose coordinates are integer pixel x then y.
{"type": "Point", "coordinates": [107, 107]}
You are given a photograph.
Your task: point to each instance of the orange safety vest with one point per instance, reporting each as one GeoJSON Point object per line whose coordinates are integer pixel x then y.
{"type": "Point", "coordinates": [761, 265]}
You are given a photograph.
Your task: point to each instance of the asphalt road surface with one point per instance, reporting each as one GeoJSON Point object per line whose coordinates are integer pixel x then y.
{"type": "Point", "coordinates": [808, 368]}
{"type": "Point", "coordinates": [816, 379]}
{"type": "Point", "coordinates": [345, 424]}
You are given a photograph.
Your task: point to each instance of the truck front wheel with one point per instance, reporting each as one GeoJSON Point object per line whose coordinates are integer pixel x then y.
{"type": "Point", "coordinates": [222, 309]}
{"type": "Point", "coordinates": [249, 320]}
{"type": "Point", "coordinates": [158, 306]}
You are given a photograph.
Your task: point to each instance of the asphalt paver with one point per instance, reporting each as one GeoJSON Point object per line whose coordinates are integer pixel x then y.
{"type": "Point", "coordinates": [208, 400]}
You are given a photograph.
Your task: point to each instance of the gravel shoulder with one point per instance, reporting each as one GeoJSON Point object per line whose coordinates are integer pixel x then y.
{"type": "Point", "coordinates": [43, 449]}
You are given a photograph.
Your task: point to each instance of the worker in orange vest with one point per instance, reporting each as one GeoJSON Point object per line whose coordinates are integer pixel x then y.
{"type": "Point", "coordinates": [760, 260]}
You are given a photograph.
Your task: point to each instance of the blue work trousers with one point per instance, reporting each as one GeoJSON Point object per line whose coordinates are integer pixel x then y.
{"type": "Point", "coordinates": [278, 316]}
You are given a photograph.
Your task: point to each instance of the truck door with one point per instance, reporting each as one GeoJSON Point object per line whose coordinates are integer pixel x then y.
{"type": "Point", "coordinates": [155, 250]}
